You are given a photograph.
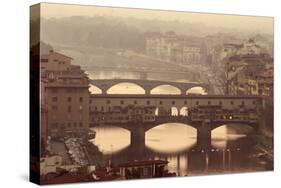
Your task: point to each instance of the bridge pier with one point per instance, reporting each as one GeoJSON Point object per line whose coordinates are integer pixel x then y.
{"type": "Point", "coordinates": [204, 135]}
{"type": "Point", "coordinates": [137, 135]}
{"type": "Point", "coordinates": [147, 91]}
{"type": "Point", "coordinates": [183, 91]}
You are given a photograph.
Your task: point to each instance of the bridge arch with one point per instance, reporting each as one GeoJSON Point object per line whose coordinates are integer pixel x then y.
{"type": "Point", "coordinates": [230, 128]}
{"type": "Point", "coordinates": [172, 123]}
{"type": "Point", "coordinates": [95, 89]}
{"type": "Point", "coordinates": [167, 89]}
{"type": "Point", "coordinates": [126, 88]}
{"type": "Point", "coordinates": [197, 90]}
{"type": "Point", "coordinates": [171, 138]}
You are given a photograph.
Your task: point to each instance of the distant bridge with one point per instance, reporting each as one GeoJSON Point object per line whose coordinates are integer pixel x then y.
{"type": "Point", "coordinates": [148, 85]}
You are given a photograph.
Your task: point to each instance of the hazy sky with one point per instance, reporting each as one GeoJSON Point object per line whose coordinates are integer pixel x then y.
{"type": "Point", "coordinates": [264, 24]}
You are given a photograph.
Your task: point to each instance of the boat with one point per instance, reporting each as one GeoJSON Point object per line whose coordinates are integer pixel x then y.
{"type": "Point", "coordinates": [144, 169]}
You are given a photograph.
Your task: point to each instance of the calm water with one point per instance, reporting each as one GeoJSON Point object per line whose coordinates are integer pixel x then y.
{"type": "Point", "coordinates": [177, 144]}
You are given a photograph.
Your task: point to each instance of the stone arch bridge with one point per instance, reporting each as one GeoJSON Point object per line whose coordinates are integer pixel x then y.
{"type": "Point", "coordinates": [104, 103]}
{"type": "Point", "coordinates": [148, 85]}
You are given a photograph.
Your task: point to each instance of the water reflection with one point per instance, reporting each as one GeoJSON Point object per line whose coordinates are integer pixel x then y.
{"type": "Point", "coordinates": [158, 140]}
{"type": "Point", "coordinates": [111, 140]}
{"type": "Point", "coordinates": [177, 144]}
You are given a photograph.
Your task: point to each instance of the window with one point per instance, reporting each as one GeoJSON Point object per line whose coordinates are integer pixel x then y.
{"type": "Point", "coordinates": [80, 124]}
{"type": "Point", "coordinates": [209, 102]}
{"type": "Point", "coordinates": [44, 60]}
{"type": "Point", "coordinates": [54, 107]}
{"type": "Point", "coordinates": [231, 102]}
{"type": "Point", "coordinates": [62, 126]}
{"type": "Point", "coordinates": [148, 102]}
{"type": "Point", "coordinates": [243, 102]}
{"type": "Point", "coordinates": [69, 99]}
{"type": "Point", "coordinates": [135, 102]}
{"type": "Point", "coordinates": [185, 102]}
{"type": "Point", "coordinates": [220, 102]}
{"type": "Point", "coordinates": [54, 125]}
{"type": "Point", "coordinates": [160, 102]}
{"type": "Point", "coordinates": [197, 102]}
{"type": "Point", "coordinates": [69, 125]}
{"type": "Point", "coordinates": [54, 90]}
{"type": "Point", "coordinates": [81, 99]}
{"type": "Point", "coordinates": [54, 99]}
{"type": "Point", "coordinates": [108, 101]}
{"type": "Point", "coordinates": [121, 102]}
{"type": "Point", "coordinates": [173, 102]}
{"type": "Point", "coordinates": [254, 102]}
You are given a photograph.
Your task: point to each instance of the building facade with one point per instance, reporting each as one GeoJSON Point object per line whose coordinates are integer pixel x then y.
{"type": "Point", "coordinates": [66, 94]}
{"type": "Point", "coordinates": [175, 48]}
{"type": "Point", "coordinates": [250, 75]}
{"type": "Point", "coordinates": [119, 114]}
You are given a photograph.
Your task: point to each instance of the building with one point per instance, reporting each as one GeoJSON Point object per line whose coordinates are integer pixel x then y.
{"type": "Point", "coordinates": [175, 48]}
{"type": "Point", "coordinates": [66, 94]}
{"type": "Point", "coordinates": [265, 83]}
{"type": "Point", "coordinates": [249, 74]}
{"type": "Point", "coordinates": [217, 113]}
{"type": "Point", "coordinates": [118, 114]}
{"type": "Point", "coordinates": [43, 118]}
{"type": "Point", "coordinates": [43, 129]}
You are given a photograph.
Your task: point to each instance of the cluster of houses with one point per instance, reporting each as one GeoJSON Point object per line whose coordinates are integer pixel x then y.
{"type": "Point", "coordinates": [218, 114]}
{"type": "Point", "coordinates": [175, 48]}
{"type": "Point", "coordinates": [247, 67]}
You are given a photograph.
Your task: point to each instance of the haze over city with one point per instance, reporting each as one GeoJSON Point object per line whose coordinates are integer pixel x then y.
{"type": "Point", "coordinates": [237, 22]}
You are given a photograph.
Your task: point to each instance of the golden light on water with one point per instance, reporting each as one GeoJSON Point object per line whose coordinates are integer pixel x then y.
{"type": "Point", "coordinates": [111, 140]}
{"type": "Point", "coordinates": [171, 138]}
